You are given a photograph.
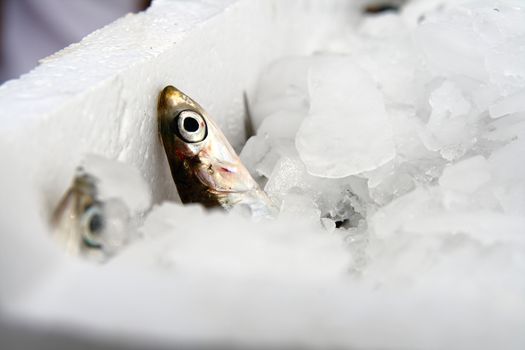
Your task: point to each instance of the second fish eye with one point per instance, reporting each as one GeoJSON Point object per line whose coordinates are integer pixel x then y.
{"type": "Point", "coordinates": [94, 225]}
{"type": "Point", "coordinates": [191, 126]}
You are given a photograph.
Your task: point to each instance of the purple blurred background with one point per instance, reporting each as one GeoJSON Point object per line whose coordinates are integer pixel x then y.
{"type": "Point", "coordinates": [33, 29]}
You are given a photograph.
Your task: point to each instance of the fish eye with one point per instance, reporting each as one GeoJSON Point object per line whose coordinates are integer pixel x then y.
{"type": "Point", "coordinates": [191, 126]}
{"type": "Point", "coordinates": [96, 223]}
{"type": "Point", "coordinates": [93, 225]}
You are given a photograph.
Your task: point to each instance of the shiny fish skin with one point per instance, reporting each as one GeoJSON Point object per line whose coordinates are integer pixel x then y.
{"type": "Point", "coordinates": [203, 164]}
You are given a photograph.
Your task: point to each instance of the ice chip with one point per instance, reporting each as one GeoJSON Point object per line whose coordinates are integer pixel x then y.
{"type": "Point", "coordinates": [289, 172]}
{"type": "Point", "coordinates": [449, 129]}
{"type": "Point", "coordinates": [347, 130]}
{"type": "Point", "coordinates": [448, 101]}
{"type": "Point", "coordinates": [392, 186]}
{"type": "Point", "coordinates": [506, 162]}
{"type": "Point", "coordinates": [282, 124]}
{"type": "Point", "coordinates": [509, 174]}
{"type": "Point", "coordinates": [385, 223]}
{"type": "Point", "coordinates": [506, 63]}
{"type": "Point", "coordinates": [385, 49]}
{"type": "Point", "coordinates": [508, 105]}
{"type": "Point", "coordinates": [119, 180]}
{"type": "Point", "coordinates": [466, 176]}
{"type": "Point", "coordinates": [451, 44]}
{"type": "Point", "coordinates": [507, 128]}
{"type": "Point", "coordinates": [328, 224]}
{"type": "Point", "coordinates": [336, 198]}
{"type": "Point", "coordinates": [282, 87]}
{"type": "Point", "coordinates": [254, 151]}
{"type": "Point", "coordinates": [298, 205]}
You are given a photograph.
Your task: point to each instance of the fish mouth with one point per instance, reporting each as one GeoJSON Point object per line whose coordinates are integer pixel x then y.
{"type": "Point", "coordinates": [172, 99]}
{"type": "Point", "coordinates": [168, 97]}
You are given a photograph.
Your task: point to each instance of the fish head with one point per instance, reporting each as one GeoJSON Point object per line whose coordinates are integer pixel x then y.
{"type": "Point", "coordinates": [85, 225]}
{"type": "Point", "coordinates": [204, 165]}
{"type": "Point", "coordinates": [183, 125]}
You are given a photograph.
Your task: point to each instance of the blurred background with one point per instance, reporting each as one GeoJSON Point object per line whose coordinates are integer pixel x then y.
{"type": "Point", "coordinates": [33, 29]}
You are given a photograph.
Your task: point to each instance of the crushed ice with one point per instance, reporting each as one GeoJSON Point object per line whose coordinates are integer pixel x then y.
{"type": "Point", "coordinates": [396, 156]}
{"type": "Point", "coordinates": [403, 142]}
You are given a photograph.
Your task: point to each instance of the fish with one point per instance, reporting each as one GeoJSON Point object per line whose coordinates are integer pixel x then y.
{"type": "Point", "coordinates": [83, 224]}
{"type": "Point", "coordinates": [204, 166]}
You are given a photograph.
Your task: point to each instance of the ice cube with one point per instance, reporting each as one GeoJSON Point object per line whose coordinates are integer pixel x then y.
{"type": "Point", "coordinates": [282, 87]}
{"type": "Point", "coordinates": [347, 130]}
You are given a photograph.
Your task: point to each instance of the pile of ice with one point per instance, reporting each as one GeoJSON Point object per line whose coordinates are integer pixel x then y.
{"type": "Point", "coordinates": [395, 156]}
{"type": "Point", "coordinates": [409, 129]}
{"type": "Point", "coordinates": [408, 134]}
